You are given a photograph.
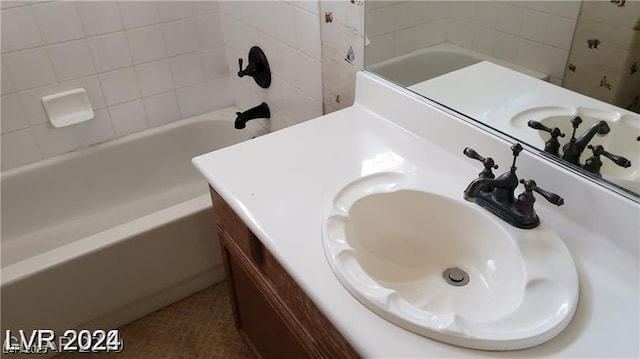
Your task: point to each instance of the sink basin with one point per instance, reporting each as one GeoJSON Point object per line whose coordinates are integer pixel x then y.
{"type": "Point", "coordinates": [413, 251]}
{"type": "Point", "coordinates": [621, 140]}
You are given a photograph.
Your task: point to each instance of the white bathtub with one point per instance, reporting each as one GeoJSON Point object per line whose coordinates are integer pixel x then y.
{"type": "Point", "coordinates": [105, 235]}
{"type": "Point", "coordinates": [433, 61]}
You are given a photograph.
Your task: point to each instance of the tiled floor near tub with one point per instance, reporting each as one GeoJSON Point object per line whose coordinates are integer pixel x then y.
{"type": "Point", "coordinates": [197, 327]}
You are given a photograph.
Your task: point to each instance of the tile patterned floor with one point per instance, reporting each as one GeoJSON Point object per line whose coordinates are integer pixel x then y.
{"type": "Point", "coordinates": [197, 327]}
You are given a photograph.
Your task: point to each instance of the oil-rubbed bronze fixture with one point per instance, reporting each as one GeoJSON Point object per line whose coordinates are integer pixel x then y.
{"type": "Point", "coordinates": [497, 194]}
{"type": "Point", "coordinates": [593, 163]}
{"type": "Point", "coordinates": [260, 111]}
{"type": "Point", "coordinates": [258, 67]}
{"type": "Point", "coordinates": [573, 149]}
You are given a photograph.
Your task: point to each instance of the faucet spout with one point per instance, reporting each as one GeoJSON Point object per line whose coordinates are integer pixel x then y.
{"type": "Point", "coordinates": [574, 148]}
{"type": "Point", "coordinates": [600, 127]}
{"type": "Point", "coordinates": [473, 189]}
{"type": "Point", "coordinates": [260, 111]}
{"type": "Point", "coordinates": [502, 187]}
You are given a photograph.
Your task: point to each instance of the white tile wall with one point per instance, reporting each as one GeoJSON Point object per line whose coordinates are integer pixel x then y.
{"type": "Point", "coordinates": [53, 142]}
{"type": "Point", "coordinates": [162, 108]}
{"type": "Point", "coordinates": [174, 10]}
{"type": "Point", "coordinates": [7, 85]}
{"type": "Point", "coordinates": [193, 100]}
{"type": "Point", "coordinates": [154, 77]}
{"type": "Point", "coordinates": [187, 69]}
{"type": "Point", "coordinates": [29, 68]}
{"type": "Point", "coordinates": [146, 44]}
{"type": "Point", "coordinates": [138, 13]}
{"type": "Point", "coordinates": [58, 21]}
{"type": "Point", "coordinates": [19, 30]}
{"type": "Point", "coordinates": [291, 40]}
{"type": "Point", "coordinates": [30, 101]}
{"type": "Point", "coordinates": [143, 63]}
{"type": "Point", "coordinates": [180, 36]}
{"type": "Point", "coordinates": [209, 30]}
{"type": "Point", "coordinates": [71, 59]}
{"type": "Point", "coordinates": [99, 129]}
{"type": "Point", "coordinates": [129, 117]}
{"type": "Point", "coordinates": [99, 17]}
{"type": "Point", "coordinates": [119, 86]}
{"type": "Point", "coordinates": [19, 148]}
{"type": "Point", "coordinates": [110, 51]}
{"type": "Point", "coordinates": [13, 117]}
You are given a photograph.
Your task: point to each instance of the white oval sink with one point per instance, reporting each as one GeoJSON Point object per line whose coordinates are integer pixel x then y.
{"type": "Point", "coordinates": [391, 239]}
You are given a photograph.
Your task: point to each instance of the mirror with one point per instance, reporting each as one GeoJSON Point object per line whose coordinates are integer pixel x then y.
{"type": "Point", "coordinates": [560, 64]}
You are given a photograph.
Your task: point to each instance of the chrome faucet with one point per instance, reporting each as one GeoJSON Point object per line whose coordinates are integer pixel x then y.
{"type": "Point", "coordinates": [573, 149]}
{"type": "Point", "coordinates": [497, 195]}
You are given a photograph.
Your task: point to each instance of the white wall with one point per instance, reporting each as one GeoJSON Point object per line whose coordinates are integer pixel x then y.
{"type": "Point", "coordinates": [533, 34]}
{"type": "Point", "coordinates": [144, 63]}
{"type": "Point", "coordinates": [289, 34]}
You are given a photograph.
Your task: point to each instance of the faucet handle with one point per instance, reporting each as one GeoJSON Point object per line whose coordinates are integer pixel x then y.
{"type": "Point", "coordinates": [593, 163]}
{"type": "Point", "coordinates": [487, 162]}
{"type": "Point", "coordinates": [552, 145]}
{"type": "Point", "coordinates": [516, 149]}
{"type": "Point", "coordinates": [530, 185]}
{"type": "Point", "coordinates": [554, 132]}
{"type": "Point", "coordinates": [576, 121]}
{"type": "Point", "coordinates": [249, 71]}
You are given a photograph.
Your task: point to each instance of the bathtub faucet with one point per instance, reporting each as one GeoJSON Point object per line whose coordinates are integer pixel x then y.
{"type": "Point", "coordinates": [260, 111]}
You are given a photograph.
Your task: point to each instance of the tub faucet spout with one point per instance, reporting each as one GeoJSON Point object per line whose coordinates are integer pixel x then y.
{"type": "Point", "coordinates": [260, 111]}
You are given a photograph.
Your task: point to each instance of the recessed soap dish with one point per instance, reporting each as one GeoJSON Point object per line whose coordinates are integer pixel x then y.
{"type": "Point", "coordinates": [68, 107]}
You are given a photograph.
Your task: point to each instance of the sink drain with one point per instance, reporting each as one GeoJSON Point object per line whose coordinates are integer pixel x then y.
{"type": "Point", "coordinates": [456, 277]}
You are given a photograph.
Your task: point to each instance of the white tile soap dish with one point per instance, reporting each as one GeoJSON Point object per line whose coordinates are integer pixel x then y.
{"type": "Point", "coordinates": [68, 107]}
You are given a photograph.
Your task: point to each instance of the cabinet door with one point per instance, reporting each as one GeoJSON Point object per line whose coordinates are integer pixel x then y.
{"type": "Point", "coordinates": [256, 319]}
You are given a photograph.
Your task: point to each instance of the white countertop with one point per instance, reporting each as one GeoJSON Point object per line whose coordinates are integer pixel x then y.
{"type": "Point", "coordinates": [281, 185]}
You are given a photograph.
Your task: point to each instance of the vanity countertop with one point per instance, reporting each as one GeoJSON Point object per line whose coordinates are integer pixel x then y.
{"type": "Point", "coordinates": [281, 185]}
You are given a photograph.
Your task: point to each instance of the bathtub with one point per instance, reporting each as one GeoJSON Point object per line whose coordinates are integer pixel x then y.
{"type": "Point", "coordinates": [102, 236]}
{"type": "Point", "coordinates": [433, 61]}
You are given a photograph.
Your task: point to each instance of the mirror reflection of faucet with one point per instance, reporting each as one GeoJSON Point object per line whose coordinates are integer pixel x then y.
{"type": "Point", "coordinates": [593, 163]}
{"type": "Point", "coordinates": [497, 195]}
{"type": "Point", "coordinates": [573, 149]}
{"type": "Point", "coordinates": [260, 111]}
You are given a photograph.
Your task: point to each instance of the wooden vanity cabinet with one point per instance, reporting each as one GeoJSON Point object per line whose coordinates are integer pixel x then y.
{"type": "Point", "coordinates": [273, 315]}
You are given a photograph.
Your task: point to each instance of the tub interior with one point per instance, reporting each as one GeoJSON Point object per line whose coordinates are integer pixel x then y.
{"type": "Point", "coordinates": [57, 201]}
